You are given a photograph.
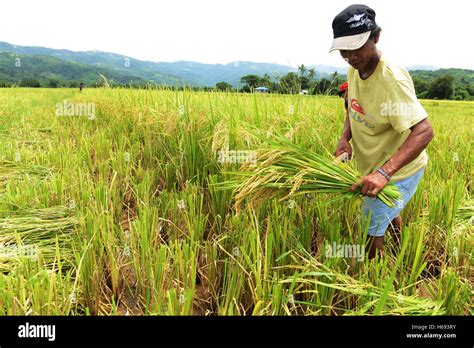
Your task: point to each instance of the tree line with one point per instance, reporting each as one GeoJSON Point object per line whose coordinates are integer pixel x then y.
{"type": "Point", "coordinates": [451, 84]}
{"type": "Point", "coordinates": [291, 83]}
{"type": "Point", "coordinates": [444, 87]}
{"type": "Point", "coordinates": [427, 84]}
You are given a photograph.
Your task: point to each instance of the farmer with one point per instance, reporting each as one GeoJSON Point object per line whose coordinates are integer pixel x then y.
{"type": "Point", "coordinates": [385, 122]}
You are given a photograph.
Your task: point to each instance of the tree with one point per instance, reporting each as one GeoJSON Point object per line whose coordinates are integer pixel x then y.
{"type": "Point", "coordinates": [323, 87]}
{"type": "Point", "coordinates": [290, 83]}
{"type": "Point", "coordinates": [223, 86]}
{"type": "Point", "coordinates": [266, 80]}
{"type": "Point", "coordinates": [460, 93]}
{"type": "Point", "coordinates": [421, 87]}
{"type": "Point", "coordinates": [470, 90]}
{"type": "Point", "coordinates": [442, 87]}
{"type": "Point", "coordinates": [311, 74]}
{"type": "Point", "coordinates": [30, 82]}
{"type": "Point", "coordinates": [252, 81]}
{"type": "Point", "coordinates": [304, 81]}
{"type": "Point", "coordinates": [302, 70]}
{"type": "Point", "coordinates": [53, 83]}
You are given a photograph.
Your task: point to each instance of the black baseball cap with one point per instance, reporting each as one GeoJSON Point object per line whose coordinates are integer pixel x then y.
{"type": "Point", "coordinates": [352, 27]}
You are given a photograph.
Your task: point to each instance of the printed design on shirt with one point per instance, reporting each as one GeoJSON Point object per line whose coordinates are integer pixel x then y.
{"type": "Point", "coordinates": [357, 107]}
{"type": "Point", "coordinates": [356, 110]}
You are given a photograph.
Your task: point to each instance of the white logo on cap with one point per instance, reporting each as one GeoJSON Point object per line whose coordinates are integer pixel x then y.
{"type": "Point", "coordinates": [359, 20]}
{"type": "Point", "coordinates": [355, 17]}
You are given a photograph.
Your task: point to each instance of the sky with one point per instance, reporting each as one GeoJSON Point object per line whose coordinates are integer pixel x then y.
{"type": "Point", "coordinates": [289, 32]}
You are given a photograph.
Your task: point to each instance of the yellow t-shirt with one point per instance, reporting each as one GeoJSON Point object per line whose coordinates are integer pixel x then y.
{"type": "Point", "coordinates": [382, 109]}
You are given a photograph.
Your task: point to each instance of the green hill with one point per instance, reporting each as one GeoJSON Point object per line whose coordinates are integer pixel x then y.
{"type": "Point", "coordinates": [460, 75]}
{"type": "Point", "coordinates": [48, 67]}
{"type": "Point", "coordinates": [15, 68]}
{"type": "Point", "coordinates": [444, 83]}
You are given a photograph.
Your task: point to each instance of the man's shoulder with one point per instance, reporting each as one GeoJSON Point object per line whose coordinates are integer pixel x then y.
{"type": "Point", "coordinates": [393, 72]}
{"type": "Point", "coordinates": [350, 72]}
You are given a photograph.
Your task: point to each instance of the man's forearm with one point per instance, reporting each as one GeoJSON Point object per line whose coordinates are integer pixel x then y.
{"type": "Point", "coordinates": [420, 136]}
{"type": "Point", "coordinates": [346, 133]}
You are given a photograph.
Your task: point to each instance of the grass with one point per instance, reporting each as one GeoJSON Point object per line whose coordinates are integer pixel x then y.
{"type": "Point", "coordinates": [128, 217]}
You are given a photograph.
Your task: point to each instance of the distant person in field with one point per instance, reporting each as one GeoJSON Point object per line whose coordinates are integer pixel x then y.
{"type": "Point", "coordinates": [343, 93]}
{"type": "Point", "coordinates": [385, 122]}
{"type": "Point", "coordinates": [81, 86]}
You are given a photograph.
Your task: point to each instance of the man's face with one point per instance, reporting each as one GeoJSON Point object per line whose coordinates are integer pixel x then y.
{"type": "Point", "coordinates": [360, 58]}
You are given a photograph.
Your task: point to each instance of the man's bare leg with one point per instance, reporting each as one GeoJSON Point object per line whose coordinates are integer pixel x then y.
{"type": "Point", "coordinates": [375, 244]}
{"type": "Point", "coordinates": [395, 228]}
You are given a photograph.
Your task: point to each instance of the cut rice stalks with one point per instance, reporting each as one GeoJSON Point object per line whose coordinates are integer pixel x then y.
{"type": "Point", "coordinates": [285, 169]}
{"type": "Point", "coordinates": [37, 234]}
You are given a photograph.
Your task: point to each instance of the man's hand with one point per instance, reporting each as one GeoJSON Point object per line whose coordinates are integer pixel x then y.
{"type": "Point", "coordinates": [343, 146]}
{"type": "Point", "coordinates": [371, 184]}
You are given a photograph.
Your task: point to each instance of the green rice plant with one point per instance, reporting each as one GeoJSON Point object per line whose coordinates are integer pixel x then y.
{"type": "Point", "coordinates": [372, 299]}
{"type": "Point", "coordinates": [443, 206]}
{"type": "Point", "coordinates": [454, 292]}
{"type": "Point", "coordinates": [36, 290]}
{"type": "Point", "coordinates": [156, 234]}
{"type": "Point", "coordinates": [183, 267]}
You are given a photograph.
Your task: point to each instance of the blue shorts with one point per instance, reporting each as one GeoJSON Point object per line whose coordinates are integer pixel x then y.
{"type": "Point", "coordinates": [382, 214]}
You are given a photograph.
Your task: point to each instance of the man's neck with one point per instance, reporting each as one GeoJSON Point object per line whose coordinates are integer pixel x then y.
{"type": "Point", "coordinates": [370, 68]}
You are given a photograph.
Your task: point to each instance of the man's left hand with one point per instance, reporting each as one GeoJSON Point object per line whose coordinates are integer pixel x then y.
{"type": "Point", "coordinates": [371, 184]}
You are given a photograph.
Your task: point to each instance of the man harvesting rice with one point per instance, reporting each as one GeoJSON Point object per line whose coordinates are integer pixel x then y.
{"type": "Point", "coordinates": [386, 123]}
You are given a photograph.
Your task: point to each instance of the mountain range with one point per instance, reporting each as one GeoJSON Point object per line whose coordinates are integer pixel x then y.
{"type": "Point", "coordinates": [44, 64]}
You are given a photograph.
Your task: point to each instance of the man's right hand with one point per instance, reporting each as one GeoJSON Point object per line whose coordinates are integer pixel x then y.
{"type": "Point", "coordinates": [343, 146]}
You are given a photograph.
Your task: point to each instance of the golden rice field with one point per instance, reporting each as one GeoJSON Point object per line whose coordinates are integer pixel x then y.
{"type": "Point", "coordinates": [117, 211]}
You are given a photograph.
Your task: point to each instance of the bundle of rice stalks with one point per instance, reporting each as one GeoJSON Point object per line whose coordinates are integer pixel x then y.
{"type": "Point", "coordinates": [36, 234]}
{"type": "Point", "coordinates": [8, 167]}
{"type": "Point", "coordinates": [285, 169]}
{"type": "Point", "coordinates": [465, 211]}
{"type": "Point", "coordinates": [11, 169]}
